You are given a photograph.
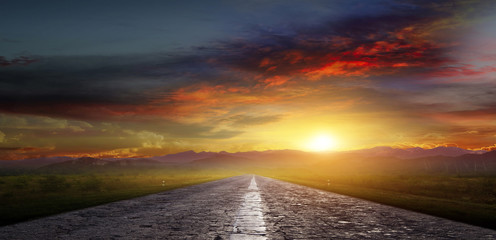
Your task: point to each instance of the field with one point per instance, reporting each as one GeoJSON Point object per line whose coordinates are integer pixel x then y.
{"type": "Point", "coordinates": [469, 199]}
{"type": "Point", "coordinates": [31, 196]}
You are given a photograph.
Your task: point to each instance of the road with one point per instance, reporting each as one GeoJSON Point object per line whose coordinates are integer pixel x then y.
{"type": "Point", "coordinates": [244, 207]}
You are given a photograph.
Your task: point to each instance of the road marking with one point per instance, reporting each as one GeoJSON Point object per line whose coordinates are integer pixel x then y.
{"type": "Point", "coordinates": [249, 222]}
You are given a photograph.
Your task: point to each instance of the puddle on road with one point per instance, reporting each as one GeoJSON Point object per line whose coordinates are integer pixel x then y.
{"type": "Point", "coordinates": [249, 222]}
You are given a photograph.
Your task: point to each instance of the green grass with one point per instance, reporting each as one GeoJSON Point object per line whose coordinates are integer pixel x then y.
{"type": "Point", "coordinates": [32, 196]}
{"type": "Point", "coordinates": [469, 199]}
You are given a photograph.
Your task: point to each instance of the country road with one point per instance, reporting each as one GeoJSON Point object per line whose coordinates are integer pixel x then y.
{"type": "Point", "coordinates": [244, 207]}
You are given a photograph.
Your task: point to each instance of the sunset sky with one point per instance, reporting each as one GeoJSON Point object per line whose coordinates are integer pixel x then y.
{"type": "Point", "coordinates": [145, 78]}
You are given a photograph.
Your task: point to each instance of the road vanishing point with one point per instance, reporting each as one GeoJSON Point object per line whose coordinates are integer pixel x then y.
{"type": "Point", "coordinates": [244, 207]}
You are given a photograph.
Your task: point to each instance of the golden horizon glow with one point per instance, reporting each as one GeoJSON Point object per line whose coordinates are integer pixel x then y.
{"type": "Point", "coordinates": [322, 143]}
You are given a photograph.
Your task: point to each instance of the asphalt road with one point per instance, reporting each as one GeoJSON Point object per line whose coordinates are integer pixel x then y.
{"type": "Point", "coordinates": [244, 207]}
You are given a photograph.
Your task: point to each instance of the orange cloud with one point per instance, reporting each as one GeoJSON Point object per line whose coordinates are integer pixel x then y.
{"type": "Point", "coordinates": [14, 153]}
{"type": "Point", "coordinates": [275, 81]}
{"type": "Point", "coordinates": [340, 68]}
{"type": "Point", "coordinates": [489, 148]}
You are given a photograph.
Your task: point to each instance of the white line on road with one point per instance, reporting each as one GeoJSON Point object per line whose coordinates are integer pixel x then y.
{"type": "Point", "coordinates": [249, 222]}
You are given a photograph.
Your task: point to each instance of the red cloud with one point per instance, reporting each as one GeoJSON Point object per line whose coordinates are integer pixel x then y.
{"type": "Point", "coordinates": [407, 47]}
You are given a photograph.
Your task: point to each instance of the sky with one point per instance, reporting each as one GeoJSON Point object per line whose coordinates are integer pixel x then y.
{"type": "Point", "coordinates": [147, 78]}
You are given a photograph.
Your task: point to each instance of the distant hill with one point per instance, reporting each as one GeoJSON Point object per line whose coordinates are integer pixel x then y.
{"type": "Point", "coordinates": [450, 160]}
{"type": "Point", "coordinates": [88, 164]}
{"type": "Point", "coordinates": [463, 164]}
{"type": "Point", "coordinates": [32, 163]}
{"type": "Point", "coordinates": [414, 152]}
{"type": "Point", "coordinates": [284, 158]}
{"type": "Point", "coordinates": [28, 165]}
{"type": "Point", "coordinates": [272, 158]}
{"type": "Point", "coordinates": [296, 156]}
{"type": "Point", "coordinates": [225, 160]}
{"type": "Point", "coordinates": [184, 157]}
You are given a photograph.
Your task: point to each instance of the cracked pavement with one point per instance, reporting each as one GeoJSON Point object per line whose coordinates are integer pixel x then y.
{"type": "Point", "coordinates": [211, 211]}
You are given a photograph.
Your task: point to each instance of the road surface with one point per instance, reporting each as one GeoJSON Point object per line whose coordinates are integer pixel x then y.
{"type": "Point", "coordinates": [244, 207]}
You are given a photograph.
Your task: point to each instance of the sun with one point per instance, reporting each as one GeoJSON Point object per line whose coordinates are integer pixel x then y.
{"type": "Point", "coordinates": [321, 143]}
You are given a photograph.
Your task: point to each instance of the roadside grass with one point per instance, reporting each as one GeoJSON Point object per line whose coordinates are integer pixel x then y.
{"type": "Point", "coordinates": [27, 197]}
{"type": "Point", "coordinates": [469, 199]}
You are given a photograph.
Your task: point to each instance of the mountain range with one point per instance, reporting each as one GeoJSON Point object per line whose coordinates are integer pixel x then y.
{"type": "Point", "coordinates": [415, 152]}
{"type": "Point", "coordinates": [450, 159]}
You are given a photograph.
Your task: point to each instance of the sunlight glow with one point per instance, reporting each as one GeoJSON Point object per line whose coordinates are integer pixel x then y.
{"type": "Point", "coordinates": [322, 143]}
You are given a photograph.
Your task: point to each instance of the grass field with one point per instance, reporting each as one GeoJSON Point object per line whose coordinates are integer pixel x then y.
{"type": "Point", "coordinates": [26, 197]}
{"type": "Point", "coordinates": [469, 199]}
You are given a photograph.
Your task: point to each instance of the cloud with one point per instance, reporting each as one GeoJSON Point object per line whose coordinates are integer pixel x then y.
{"type": "Point", "coordinates": [13, 153]}
{"type": "Point", "coordinates": [42, 123]}
{"type": "Point", "coordinates": [151, 139]}
{"type": "Point", "coordinates": [245, 120]}
{"type": "Point", "coordinates": [461, 70]}
{"type": "Point", "coordinates": [22, 149]}
{"type": "Point", "coordinates": [395, 41]}
{"type": "Point", "coordinates": [354, 46]}
{"type": "Point", "coordinates": [22, 60]}
{"type": "Point", "coordinates": [395, 66]}
{"type": "Point", "coordinates": [192, 130]}
{"type": "Point", "coordinates": [456, 97]}
{"type": "Point", "coordinates": [489, 148]}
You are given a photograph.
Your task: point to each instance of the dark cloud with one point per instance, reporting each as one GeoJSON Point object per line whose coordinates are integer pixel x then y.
{"type": "Point", "coordinates": [73, 86]}
{"type": "Point", "coordinates": [22, 60]}
{"type": "Point", "coordinates": [378, 44]}
{"type": "Point", "coordinates": [391, 42]}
